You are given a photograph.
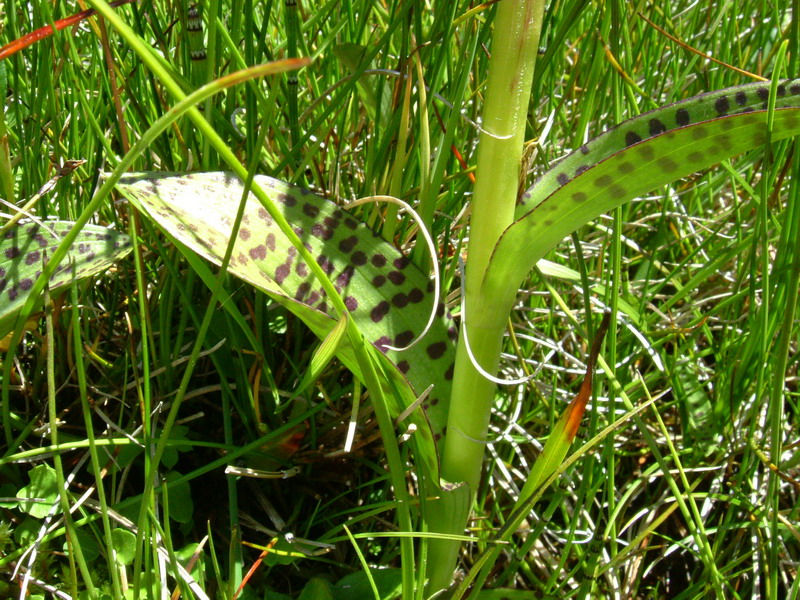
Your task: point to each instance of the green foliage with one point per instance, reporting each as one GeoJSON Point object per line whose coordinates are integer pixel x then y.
{"type": "Point", "coordinates": [25, 249]}
{"type": "Point", "coordinates": [40, 496]}
{"type": "Point", "coordinates": [701, 275]}
{"type": "Point", "coordinates": [124, 545]}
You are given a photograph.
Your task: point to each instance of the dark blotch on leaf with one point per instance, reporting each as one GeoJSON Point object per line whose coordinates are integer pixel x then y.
{"type": "Point", "coordinates": [699, 132]}
{"type": "Point", "coordinates": [379, 260]}
{"type": "Point", "coordinates": [625, 168]}
{"type": "Point", "coordinates": [400, 300]}
{"type": "Point", "coordinates": [403, 366]}
{"type": "Point", "coordinates": [646, 152]}
{"type": "Point", "coordinates": [281, 273]}
{"type": "Point", "coordinates": [378, 281]}
{"type": "Point", "coordinates": [695, 157]}
{"type": "Point", "coordinates": [351, 303]}
{"type": "Point", "coordinates": [403, 339]}
{"type": "Point", "coordinates": [448, 375]}
{"type": "Point", "coordinates": [287, 200]}
{"type": "Point", "coordinates": [763, 93]}
{"type": "Point", "coordinates": [563, 178]}
{"type": "Point", "coordinates": [347, 244]}
{"type": "Point", "coordinates": [12, 252]}
{"type": "Point", "coordinates": [320, 231]}
{"type": "Point", "coordinates": [632, 138]}
{"type": "Point", "coordinates": [617, 191]}
{"type": "Point", "coordinates": [345, 276]}
{"type": "Point", "coordinates": [379, 312]}
{"type": "Point", "coordinates": [244, 233]}
{"type": "Point", "coordinates": [603, 181]}
{"type": "Point", "coordinates": [579, 197]}
{"type": "Point", "coordinates": [667, 164]}
{"type": "Point", "coordinates": [656, 127]}
{"type": "Point", "coordinates": [310, 210]}
{"type": "Point", "coordinates": [350, 223]}
{"type": "Point", "coordinates": [722, 105]}
{"type": "Point", "coordinates": [740, 98]}
{"type": "Point", "coordinates": [401, 262]}
{"type": "Point", "coordinates": [359, 258]}
{"type": "Point", "coordinates": [26, 284]}
{"type": "Point", "coordinates": [415, 296]}
{"type": "Point", "coordinates": [259, 252]}
{"type": "Point", "coordinates": [436, 350]}
{"type": "Point", "coordinates": [33, 257]}
{"type": "Point", "coordinates": [682, 117]}
{"type": "Point", "coordinates": [396, 277]}
{"type": "Point", "coordinates": [302, 291]}
{"type": "Point", "coordinates": [382, 343]}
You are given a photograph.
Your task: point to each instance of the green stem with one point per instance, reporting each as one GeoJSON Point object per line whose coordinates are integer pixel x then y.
{"type": "Point", "coordinates": [514, 46]}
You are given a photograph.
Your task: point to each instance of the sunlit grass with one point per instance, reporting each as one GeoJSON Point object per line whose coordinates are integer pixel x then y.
{"type": "Point", "coordinates": [703, 275]}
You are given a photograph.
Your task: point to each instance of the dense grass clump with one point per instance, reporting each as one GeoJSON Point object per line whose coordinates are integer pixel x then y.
{"type": "Point", "coordinates": [695, 495]}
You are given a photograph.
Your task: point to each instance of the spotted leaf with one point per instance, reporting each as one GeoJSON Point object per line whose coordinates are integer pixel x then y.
{"type": "Point", "coordinates": [388, 298]}
{"type": "Point", "coordinates": [632, 159]}
{"type": "Point", "coordinates": [24, 250]}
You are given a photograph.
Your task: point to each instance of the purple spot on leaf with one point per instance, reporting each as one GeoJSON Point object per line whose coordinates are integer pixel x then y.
{"type": "Point", "coordinates": [302, 291]}
{"type": "Point", "coordinates": [436, 350]}
{"type": "Point", "coordinates": [396, 277]}
{"type": "Point", "coordinates": [379, 260]}
{"type": "Point", "coordinates": [321, 232]}
{"type": "Point", "coordinates": [400, 300]}
{"type": "Point", "coordinates": [347, 244]}
{"type": "Point", "coordinates": [448, 375]}
{"type": "Point", "coordinates": [401, 263]}
{"type": "Point", "coordinates": [382, 342]}
{"type": "Point", "coordinates": [310, 210]}
{"type": "Point", "coordinates": [379, 312]}
{"type": "Point", "coordinates": [259, 252]}
{"type": "Point", "coordinates": [415, 295]}
{"type": "Point", "coordinates": [632, 138]}
{"type": "Point", "coordinates": [281, 273]}
{"type": "Point", "coordinates": [403, 339]}
{"type": "Point", "coordinates": [344, 277]}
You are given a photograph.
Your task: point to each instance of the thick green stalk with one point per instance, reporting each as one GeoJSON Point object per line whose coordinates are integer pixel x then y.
{"type": "Point", "coordinates": [514, 46]}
